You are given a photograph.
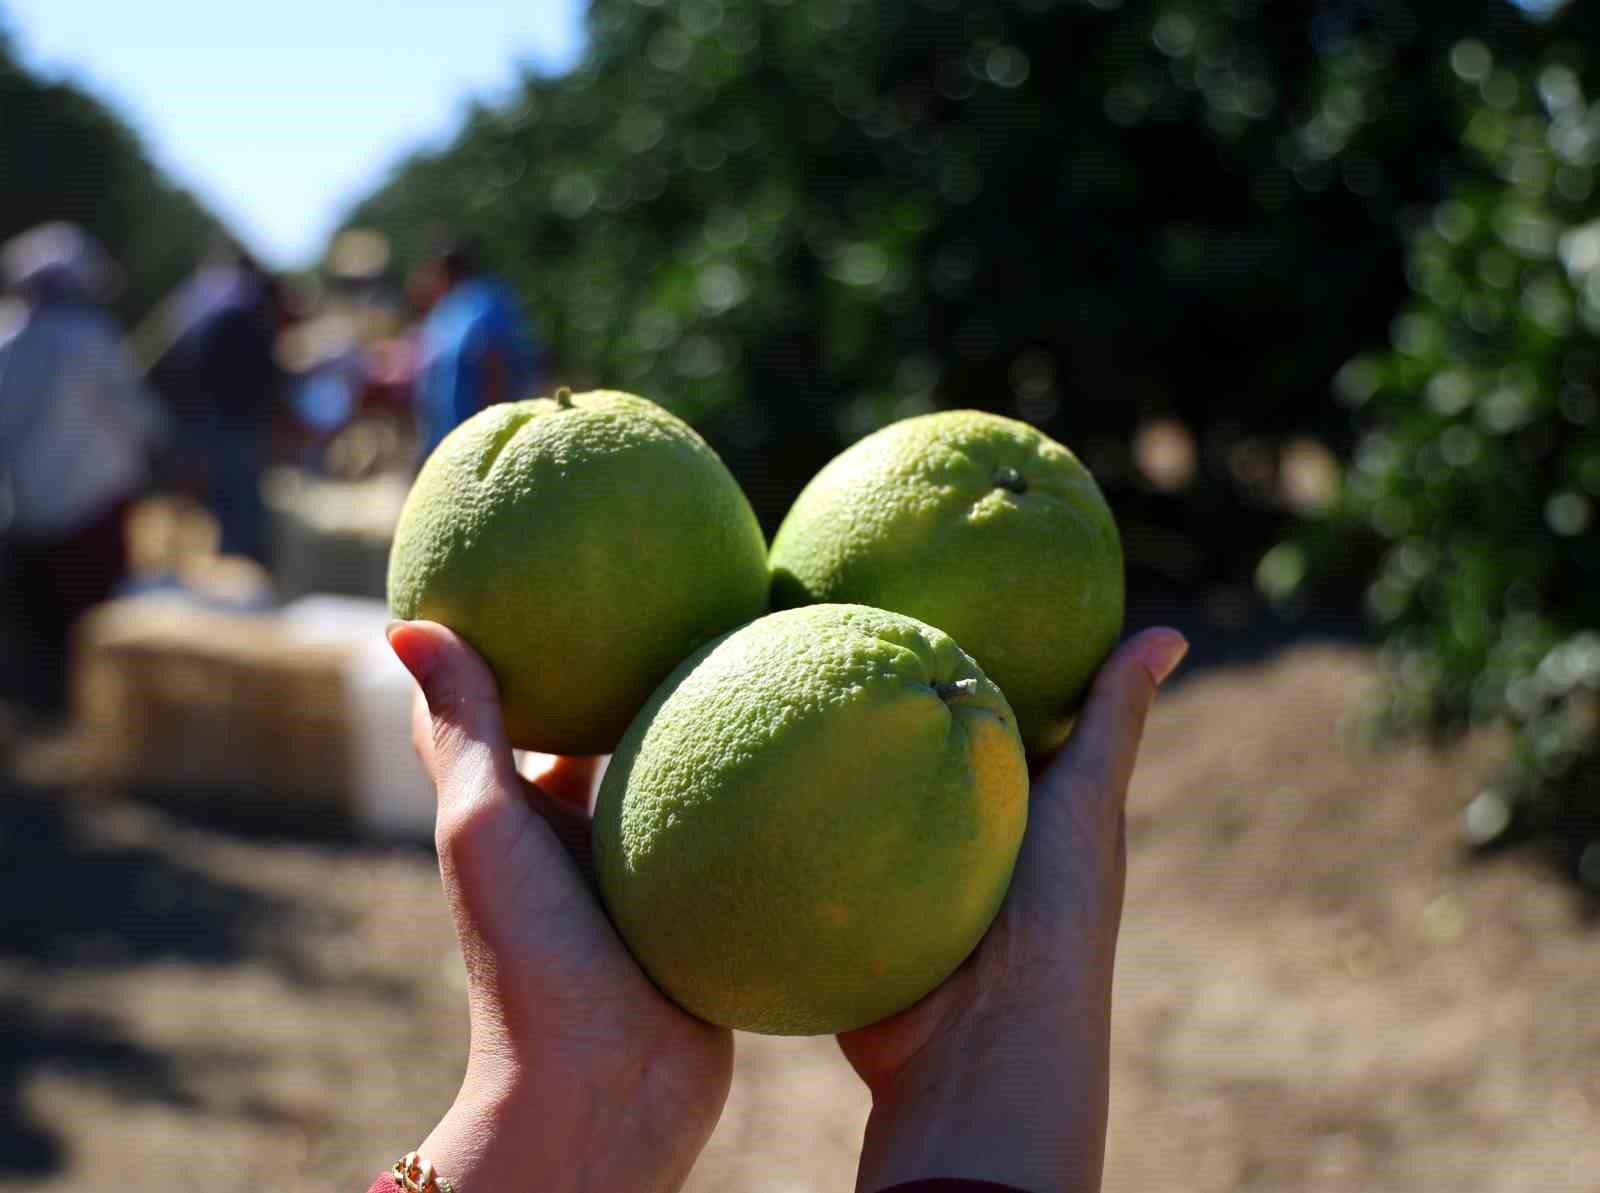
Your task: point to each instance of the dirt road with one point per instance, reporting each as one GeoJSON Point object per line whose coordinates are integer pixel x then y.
{"type": "Point", "coordinates": [1316, 991]}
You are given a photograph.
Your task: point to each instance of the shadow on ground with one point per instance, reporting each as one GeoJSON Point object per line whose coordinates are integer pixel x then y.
{"type": "Point", "coordinates": [31, 1038]}
{"type": "Point", "coordinates": [89, 888]}
{"type": "Point", "coordinates": [70, 897]}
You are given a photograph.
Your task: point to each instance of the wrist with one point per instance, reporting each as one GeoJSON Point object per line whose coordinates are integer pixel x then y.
{"type": "Point", "coordinates": [557, 1134]}
{"type": "Point", "coordinates": [1019, 1105]}
{"type": "Point", "coordinates": [481, 1143]}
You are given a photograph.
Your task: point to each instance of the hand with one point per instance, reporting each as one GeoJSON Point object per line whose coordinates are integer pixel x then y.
{"type": "Point", "coordinates": [570, 1041]}
{"type": "Point", "coordinates": [1001, 1073]}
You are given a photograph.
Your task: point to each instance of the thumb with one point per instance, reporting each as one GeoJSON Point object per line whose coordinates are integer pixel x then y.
{"type": "Point", "coordinates": [495, 834]}
{"type": "Point", "coordinates": [471, 758]}
{"type": "Point", "coordinates": [1100, 754]}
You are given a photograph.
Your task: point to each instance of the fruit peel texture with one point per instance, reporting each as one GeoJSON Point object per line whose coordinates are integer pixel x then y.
{"type": "Point", "coordinates": [922, 518]}
{"type": "Point", "coordinates": [800, 834]}
{"type": "Point", "coordinates": [584, 550]}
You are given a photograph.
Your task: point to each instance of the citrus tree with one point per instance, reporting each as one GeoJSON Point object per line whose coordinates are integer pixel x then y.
{"type": "Point", "coordinates": [1477, 469]}
{"type": "Point", "coordinates": [793, 223]}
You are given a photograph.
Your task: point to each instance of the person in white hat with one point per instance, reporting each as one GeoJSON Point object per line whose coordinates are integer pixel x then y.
{"type": "Point", "coordinates": [76, 428]}
{"type": "Point", "coordinates": [62, 256]}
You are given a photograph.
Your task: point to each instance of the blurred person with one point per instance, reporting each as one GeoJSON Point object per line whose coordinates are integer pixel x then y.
{"type": "Point", "coordinates": [323, 359]}
{"type": "Point", "coordinates": [77, 429]}
{"type": "Point", "coordinates": [221, 375]}
{"type": "Point", "coordinates": [581, 1072]}
{"type": "Point", "coordinates": [473, 350]}
{"type": "Point", "coordinates": [389, 371]}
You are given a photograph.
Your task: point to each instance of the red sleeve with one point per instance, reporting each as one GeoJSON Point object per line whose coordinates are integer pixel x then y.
{"type": "Point", "coordinates": [944, 1185]}
{"type": "Point", "coordinates": [385, 1184]}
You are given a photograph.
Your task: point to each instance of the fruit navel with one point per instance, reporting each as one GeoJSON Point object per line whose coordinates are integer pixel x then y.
{"type": "Point", "coordinates": [1010, 479]}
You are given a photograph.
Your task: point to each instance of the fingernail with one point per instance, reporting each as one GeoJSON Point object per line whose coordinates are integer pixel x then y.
{"type": "Point", "coordinates": [1162, 655]}
{"type": "Point", "coordinates": [414, 649]}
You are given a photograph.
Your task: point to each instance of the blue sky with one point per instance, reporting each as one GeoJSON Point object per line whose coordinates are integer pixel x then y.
{"type": "Point", "coordinates": [279, 113]}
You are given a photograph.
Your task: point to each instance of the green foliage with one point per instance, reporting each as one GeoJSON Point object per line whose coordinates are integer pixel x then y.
{"type": "Point", "coordinates": [1478, 467]}
{"type": "Point", "coordinates": [65, 155]}
{"type": "Point", "coordinates": [795, 222]}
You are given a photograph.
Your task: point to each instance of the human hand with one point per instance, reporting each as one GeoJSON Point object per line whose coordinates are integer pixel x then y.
{"type": "Point", "coordinates": [569, 1039]}
{"type": "Point", "coordinates": [1001, 1073]}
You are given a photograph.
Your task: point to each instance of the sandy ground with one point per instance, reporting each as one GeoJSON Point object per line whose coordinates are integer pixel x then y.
{"type": "Point", "coordinates": [1316, 990]}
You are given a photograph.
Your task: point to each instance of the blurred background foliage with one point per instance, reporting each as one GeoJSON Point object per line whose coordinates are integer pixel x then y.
{"type": "Point", "coordinates": [1175, 235]}
{"type": "Point", "coordinates": [1325, 276]}
{"type": "Point", "coordinates": [65, 155]}
{"type": "Point", "coordinates": [1477, 463]}
{"type": "Point", "coordinates": [1154, 229]}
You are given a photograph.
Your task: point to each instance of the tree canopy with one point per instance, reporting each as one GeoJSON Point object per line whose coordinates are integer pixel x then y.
{"type": "Point", "coordinates": [64, 155]}
{"type": "Point", "coordinates": [1473, 483]}
{"type": "Point", "coordinates": [795, 222]}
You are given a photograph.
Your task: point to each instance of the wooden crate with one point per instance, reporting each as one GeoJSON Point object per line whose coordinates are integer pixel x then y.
{"type": "Point", "coordinates": [191, 701]}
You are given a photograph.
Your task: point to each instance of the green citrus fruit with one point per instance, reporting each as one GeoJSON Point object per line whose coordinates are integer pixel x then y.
{"type": "Point", "coordinates": [813, 821]}
{"type": "Point", "coordinates": [979, 525]}
{"type": "Point", "coordinates": [583, 545]}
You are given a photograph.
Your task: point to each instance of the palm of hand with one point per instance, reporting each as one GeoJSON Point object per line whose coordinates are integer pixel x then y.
{"type": "Point", "coordinates": [572, 992]}
{"type": "Point", "coordinates": [673, 1069]}
{"type": "Point", "coordinates": [1002, 1073]}
{"type": "Point", "coordinates": [1050, 950]}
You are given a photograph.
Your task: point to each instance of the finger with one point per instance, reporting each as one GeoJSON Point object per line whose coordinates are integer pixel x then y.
{"type": "Point", "coordinates": [569, 780]}
{"type": "Point", "coordinates": [459, 736]}
{"type": "Point", "coordinates": [562, 789]}
{"type": "Point", "coordinates": [1099, 755]}
{"type": "Point", "coordinates": [520, 903]}
{"type": "Point", "coordinates": [489, 817]}
{"type": "Point", "coordinates": [471, 757]}
{"type": "Point", "coordinates": [569, 821]}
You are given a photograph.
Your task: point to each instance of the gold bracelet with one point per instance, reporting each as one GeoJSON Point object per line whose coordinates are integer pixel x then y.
{"type": "Point", "coordinates": [415, 1175]}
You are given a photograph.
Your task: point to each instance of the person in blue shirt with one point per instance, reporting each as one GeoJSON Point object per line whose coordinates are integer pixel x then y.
{"type": "Point", "coordinates": [474, 347]}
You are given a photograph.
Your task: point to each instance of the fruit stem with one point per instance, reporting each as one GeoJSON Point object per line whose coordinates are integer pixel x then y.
{"type": "Point", "coordinates": [564, 398]}
{"type": "Point", "coordinates": [956, 690]}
